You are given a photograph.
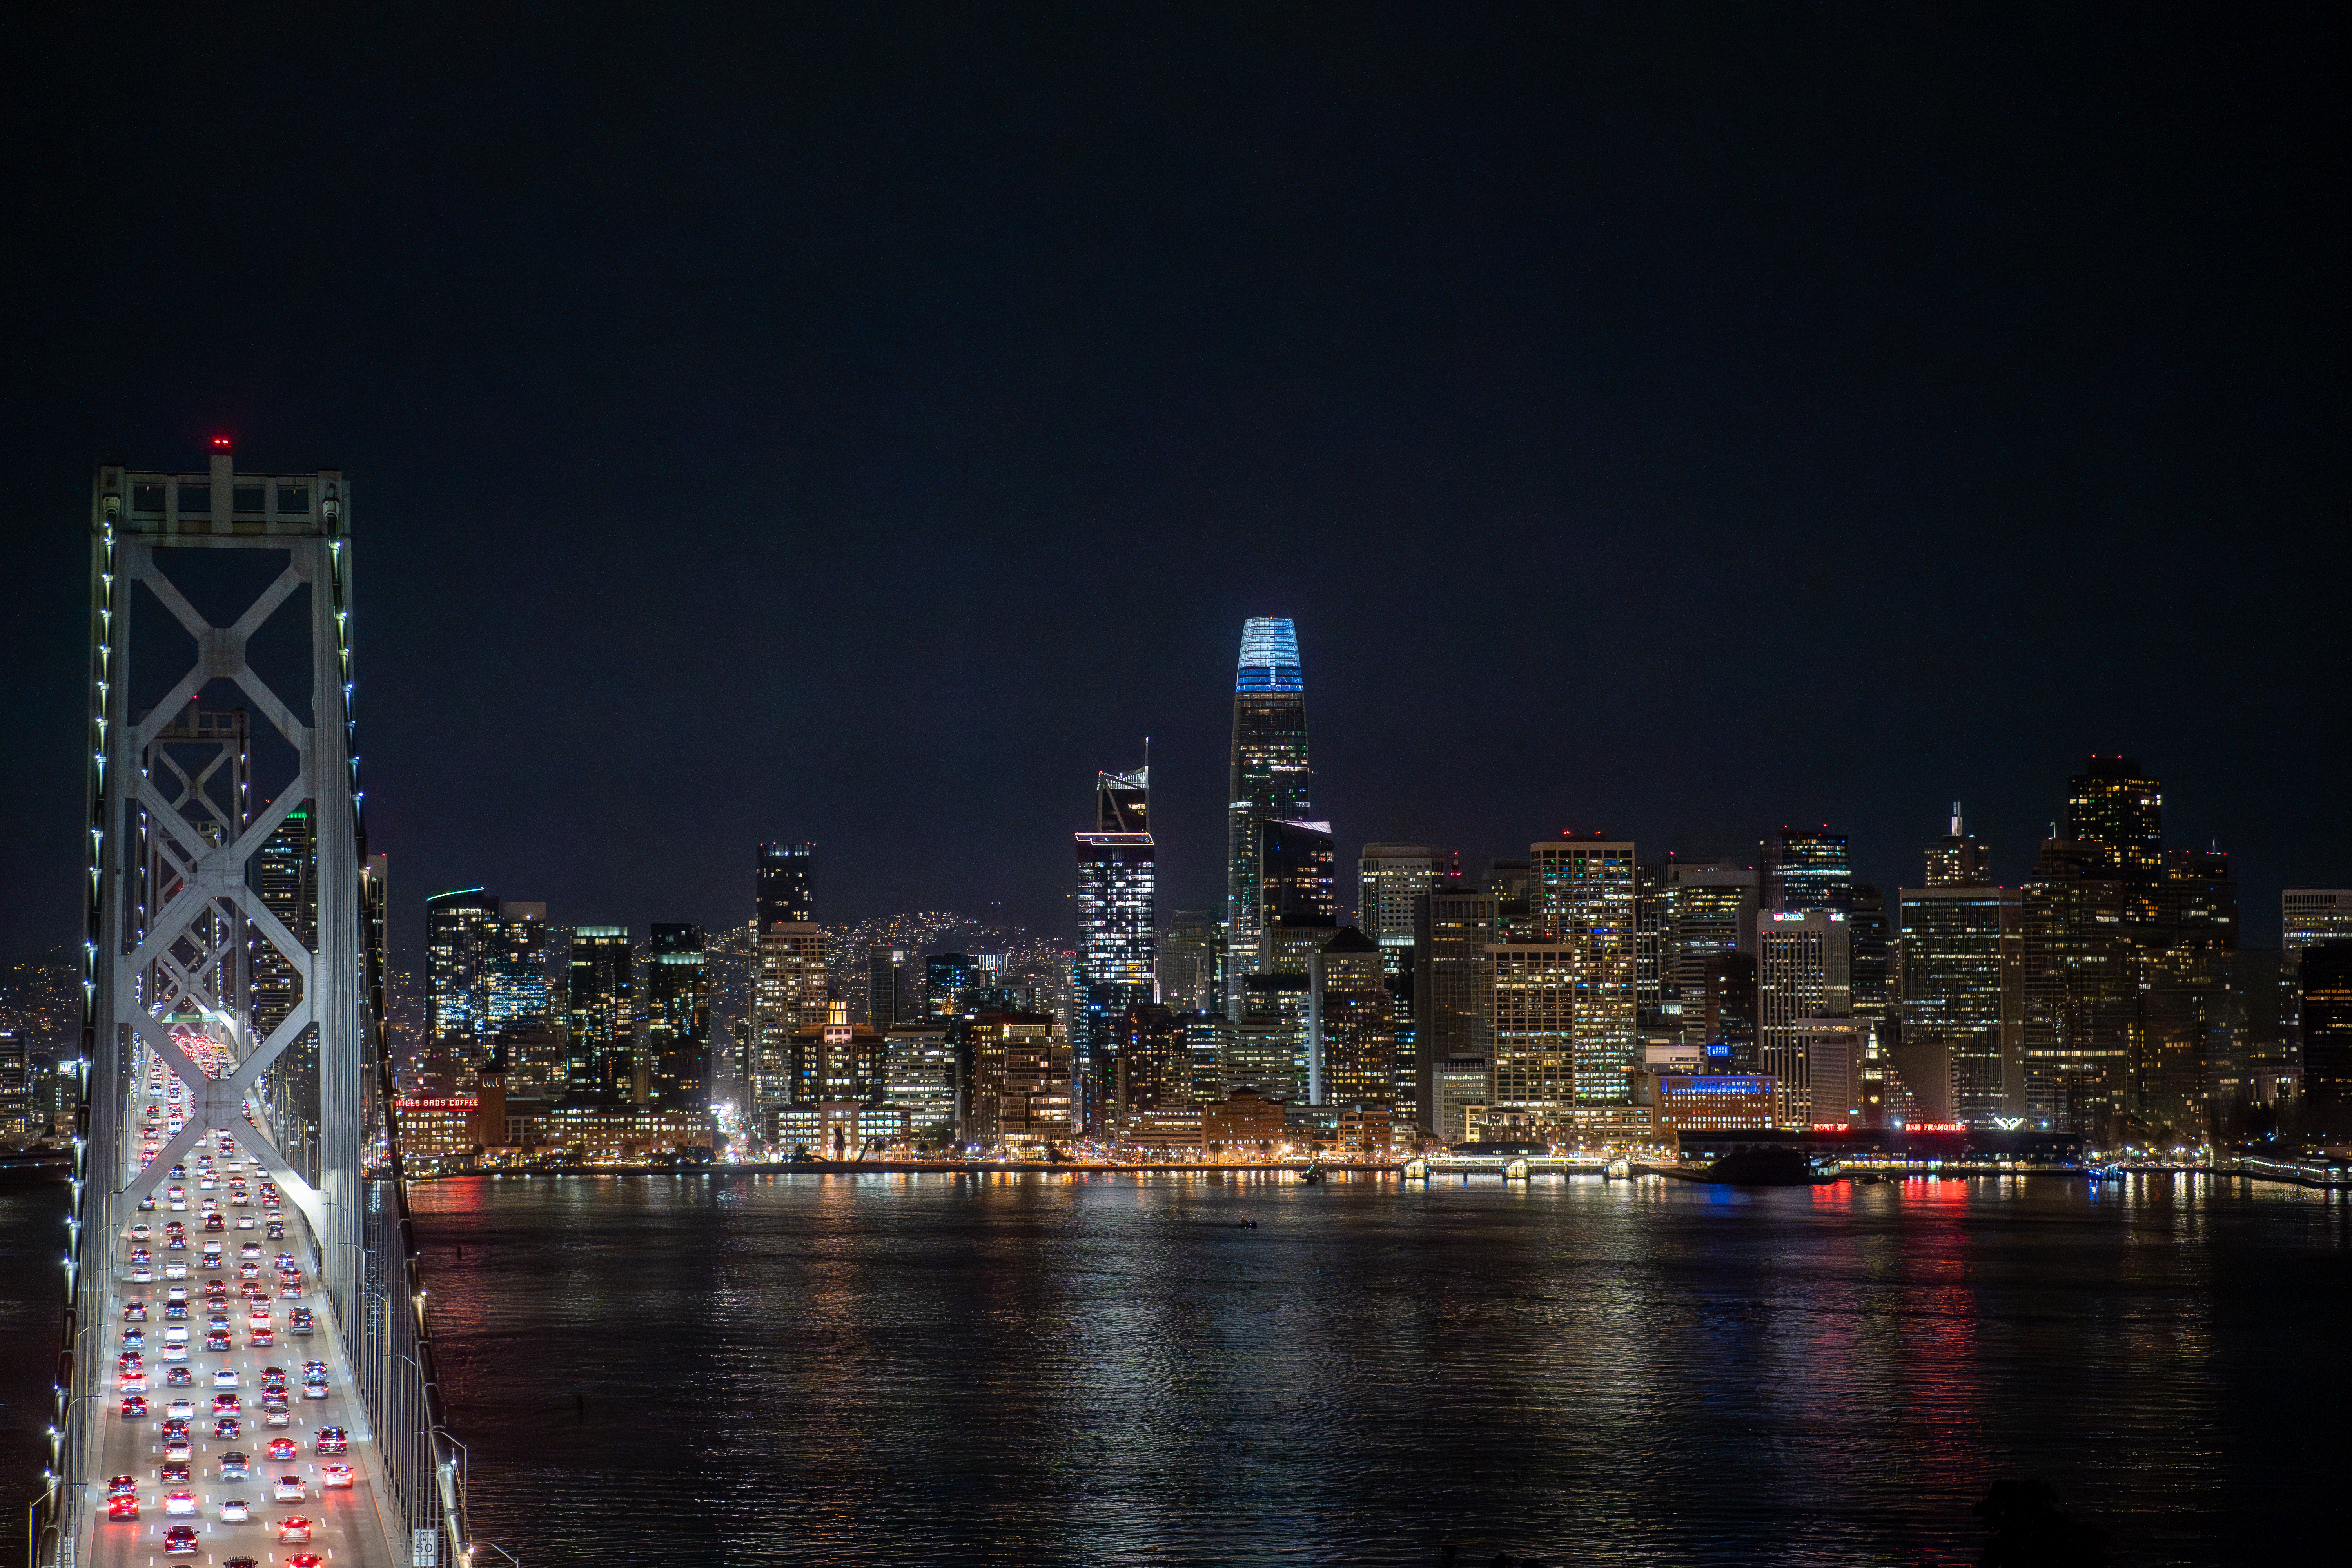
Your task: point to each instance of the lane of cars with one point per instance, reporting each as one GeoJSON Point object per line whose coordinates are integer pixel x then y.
{"type": "Point", "coordinates": [234, 1444]}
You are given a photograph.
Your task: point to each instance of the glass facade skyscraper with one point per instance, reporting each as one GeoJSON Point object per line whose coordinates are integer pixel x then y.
{"type": "Point", "coordinates": [603, 1007]}
{"type": "Point", "coordinates": [1802, 869]}
{"type": "Point", "coordinates": [1117, 941]}
{"type": "Point", "coordinates": [1269, 782]}
{"type": "Point", "coordinates": [1584, 896]}
{"type": "Point", "coordinates": [784, 884]}
{"type": "Point", "coordinates": [678, 1019]}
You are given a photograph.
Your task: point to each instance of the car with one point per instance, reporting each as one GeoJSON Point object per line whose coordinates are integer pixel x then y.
{"type": "Point", "coordinates": [180, 1541]}
{"type": "Point", "coordinates": [314, 1388]}
{"type": "Point", "coordinates": [302, 1560]}
{"type": "Point", "coordinates": [244, 1221]}
{"type": "Point", "coordinates": [331, 1440]}
{"type": "Point", "coordinates": [217, 1343]}
{"type": "Point", "coordinates": [134, 1310]}
{"type": "Point", "coordinates": [261, 1339]}
{"type": "Point", "coordinates": [125, 1507]}
{"type": "Point", "coordinates": [226, 1403]}
{"type": "Point", "coordinates": [283, 1448]}
{"type": "Point", "coordinates": [287, 1489]}
{"type": "Point", "coordinates": [246, 1561]}
{"type": "Point", "coordinates": [142, 1231]}
{"type": "Point", "coordinates": [273, 1414]}
{"type": "Point", "coordinates": [146, 1205]}
{"type": "Point", "coordinates": [175, 1293]}
{"type": "Point", "coordinates": [298, 1320]}
{"type": "Point", "coordinates": [314, 1369]}
{"type": "Point", "coordinates": [224, 1378]}
{"type": "Point", "coordinates": [250, 1251]}
{"type": "Point", "coordinates": [142, 1273]}
{"type": "Point", "coordinates": [179, 1500]}
{"type": "Point", "coordinates": [175, 1333]}
{"type": "Point", "coordinates": [258, 1318]}
{"type": "Point", "coordinates": [129, 1361]}
{"type": "Point", "coordinates": [226, 1426]}
{"type": "Point", "coordinates": [173, 1268]}
{"type": "Point", "coordinates": [123, 1485]}
{"type": "Point", "coordinates": [336, 1475]}
{"type": "Point", "coordinates": [134, 1405]}
{"type": "Point", "coordinates": [176, 1311]}
{"type": "Point", "coordinates": [173, 1473]}
{"type": "Point", "coordinates": [173, 1428]}
{"type": "Point", "coordinates": [179, 1410]}
{"type": "Point", "coordinates": [178, 1378]}
{"type": "Point", "coordinates": [248, 1270]}
{"type": "Point", "coordinates": [178, 1447]}
{"type": "Point", "coordinates": [132, 1383]}
{"type": "Point", "coordinates": [235, 1510]}
{"type": "Point", "coordinates": [233, 1467]}
{"type": "Point", "coordinates": [275, 1230]}
{"type": "Point", "coordinates": [273, 1377]}
{"type": "Point", "coordinates": [294, 1530]}
{"type": "Point", "coordinates": [133, 1340]}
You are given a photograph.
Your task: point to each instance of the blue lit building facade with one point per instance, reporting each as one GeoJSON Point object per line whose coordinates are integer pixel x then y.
{"type": "Point", "coordinates": [1269, 780]}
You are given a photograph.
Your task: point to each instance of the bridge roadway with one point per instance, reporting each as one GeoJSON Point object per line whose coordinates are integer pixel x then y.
{"type": "Point", "coordinates": [348, 1528]}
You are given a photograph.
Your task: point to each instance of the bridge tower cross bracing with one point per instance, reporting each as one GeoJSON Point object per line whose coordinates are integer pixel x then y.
{"type": "Point", "coordinates": [175, 921]}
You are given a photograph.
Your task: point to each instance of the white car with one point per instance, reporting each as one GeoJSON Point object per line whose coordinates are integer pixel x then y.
{"type": "Point", "coordinates": [287, 1489]}
{"type": "Point", "coordinates": [224, 1378]}
{"type": "Point", "coordinates": [245, 1221]}
{"type": "Point", "coordinates": [179, 1410]}
{"type": "Point", "coordinates": [142, 1273]}
{"type": "Point", "coordinates": [176, 1267]}
{"type": "Point", "coordinates": [179, 1502]}
{"type": "Point", "coordinates": [235, 1510]}
{"type": "Point", "coordinates": [314, 1388]}
{"type": "Point", "coordinates": [334, 1475]}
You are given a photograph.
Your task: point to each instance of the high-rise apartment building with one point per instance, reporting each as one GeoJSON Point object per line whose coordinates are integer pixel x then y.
{"type": "Point", "coordinates": [1118, 939]}
{"type": "Point", "coordinates": [1269, 780]}
{"type": "Point", "coordinates": [457, 953]}
{"type": "Point", "coordinates": [515, 990]}
{"type": "Point", "coordinates": [789, 993]}
{"type": "Point", "coordinates": [1020, 1081]}
{"type": "Point", "coordinates": [1704, 908]}
{"type": "Point", "coordinates": [1803, 975]}
{"type": "Point", "coordinates": [836, 1060]}
{"type": "Point", "coordinates": [1270, 1037]}
{"type": "Point", "coordinates": [1584, 902]}
{"type": "Point", "coordinates": [1389, 878]}
{"type": "Point", "coordinates": [1154, 1062]}
{"type": "Point", "coordinates": [921, 1075]}
{"type": "Point", "coordinates": [2080, 986]}
{"type": "Point", "coordinates": [1453, 1000]}
{"type": "Point", "coordinates": [677, 1058]}
{"type": "Point", "coordinates": [887, 1002]}
{"type": "Point", "coordinates": [784, 884]}
{"type": "Point", "coordinates": [602, 1001]}
{"type": "Point", "coordinates": [1801, 871]}
{"type": "Point", "coordinates": [1350, 1029]}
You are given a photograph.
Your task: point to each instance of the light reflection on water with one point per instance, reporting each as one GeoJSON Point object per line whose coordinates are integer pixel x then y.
{"type": "Point", "coordinates": [924, 1369]}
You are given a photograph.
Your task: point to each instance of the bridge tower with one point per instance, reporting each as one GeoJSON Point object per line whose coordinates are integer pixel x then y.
{"type": "Point", "coordinates": [240, 944]}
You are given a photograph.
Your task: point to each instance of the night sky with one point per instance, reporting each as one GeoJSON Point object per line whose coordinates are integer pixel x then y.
{"type": "Point", "coordinates": [861, 426]}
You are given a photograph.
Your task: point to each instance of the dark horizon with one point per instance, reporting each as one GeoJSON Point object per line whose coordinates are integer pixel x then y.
{"type": "Point", "coordinates": [861, 428]}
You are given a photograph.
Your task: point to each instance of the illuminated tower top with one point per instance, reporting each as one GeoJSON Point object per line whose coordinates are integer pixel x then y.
{"type": "Point", "coordinates": [1269, 660]}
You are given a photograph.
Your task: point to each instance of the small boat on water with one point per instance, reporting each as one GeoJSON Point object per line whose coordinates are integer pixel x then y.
{"type": "Point", "coordinates": [1313, 1173]}
{"type": "Point", "coordinates": [1771, 1168]}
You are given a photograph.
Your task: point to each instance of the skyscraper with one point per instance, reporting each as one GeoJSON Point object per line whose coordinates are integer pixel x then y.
{"type": "Point", "coordinates": [2080, 986]}
{"type": "Point", "coordinates": [457, 961]}
{"type": "Point", "coordinates": [1801, 870]}
{"type": "Point", "coordinates": [1118, 939]}
{"type": "Point", "coordinates": [1389, 878]}
{"type": "Point", "coordinates": [2113, 805]}
{"type": "Point", "coordinates": [1534, 1070]}
{"type": "Point", "coordinates": [1708, 910]}
{"type": "Point", "coordinates": [1269, 779]}
{"type": "Point", "coordinates": [1956, 859]}
{"type": "Point", "coordinates": [887, 998]}
{"type": "Point", "coordinates": [788, 994]}
{"type": "Point", "coordinates": [784, 884]}
{"type": "Point", "coordinates": [1963, 992]}
{"type": "Point", "coordinates": [2323, 974]}
{"type": "Point", "coordinates": [1352, 1032]}
{"type": "Point", "coordinates": [2308, 915]}
{"type": "Point", "coordinates": [1187, 968]}
{"type": "Point", "coordinates": [678, 1019]}
{"type": "Point", "coordinates": [1803, 975]}
{"type": "Point", "coordinates": [1584, 902]}
{"type": "Point", "coordinates": [1453, 997]}
{"type": "Point", "coordinates": [602, 1001]}
{"type": "Point", "coordinates": [1298, 901]}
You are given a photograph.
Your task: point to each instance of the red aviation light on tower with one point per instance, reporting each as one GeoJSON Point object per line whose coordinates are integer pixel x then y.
{"type": "Point", "coordinates": [220, 444]}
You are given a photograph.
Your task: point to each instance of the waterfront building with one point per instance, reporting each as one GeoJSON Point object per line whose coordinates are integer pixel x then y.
{"type": "Point", "coordinates": [1389, 879]}
{"type": "Point", "coordinates": [2080, 986]}
{"type": "Point", "coordinates": [836, 1060]}
{"type": "Point", "coordinates": [1269, 778]}
{"type": "Point", "coordinates": [601, 1004]}
{"type": "Point", "coordinates": [1154, 1061]}
{"type": "Point", "coordinates": [433, 1130]}
{"type": "Point", "coordinates": [1963, 992]}
{"type": "Point", "coordinates": [784, 885]}
{"type": "Point", "coordinates": [1803, 975]}
{"type": "Point", "coordinates": [920, 1075]}
{"type": "Point", "coordinates": [1801, 870]}
{"type": "Point", "coordinates": [1365, 1135]}
{"type": "Point", "coordinates": [1351, 1029]}
{"type": "Point", "coordinates": [1584, 894]}
{"type": "Point", "coordinates": [2192, 1021]}
{"type": "Point", "coordinates": [1715, 1102]}
{"type": "Point", "coordinates": [675, 1071]}
{"type": "Point", "coordinates": [1020, 1079]}
{"type": "Point", "coordinates": [1246, 1125]}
